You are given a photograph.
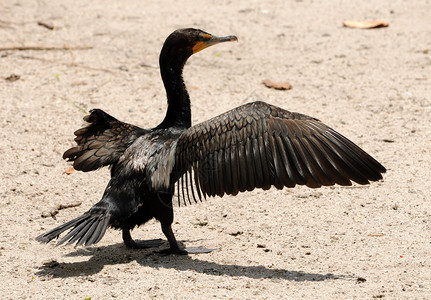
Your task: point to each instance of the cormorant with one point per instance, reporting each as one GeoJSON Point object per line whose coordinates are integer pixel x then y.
{"type": "Point", "coordinates": [256, 145]}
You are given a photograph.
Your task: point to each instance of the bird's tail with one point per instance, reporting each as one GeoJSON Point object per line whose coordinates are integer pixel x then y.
{"type": "Point", "coordinates": [86, 230]}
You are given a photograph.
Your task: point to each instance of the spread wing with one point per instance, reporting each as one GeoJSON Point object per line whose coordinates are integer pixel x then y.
{"type": "Point", "coordinates": [102, 142]}
{"type": "Point", "coordinates": [258, 145]}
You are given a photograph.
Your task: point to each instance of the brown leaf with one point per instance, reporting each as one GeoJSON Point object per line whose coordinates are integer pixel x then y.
{"type": "Point", "coordinates": [365, 24]}
{"type": "Point", "coordinates": [12, 77]}
{"type": "Point", "coordinates": [69, 171]}
{"type": "Point", "coordinates": [277, 85]}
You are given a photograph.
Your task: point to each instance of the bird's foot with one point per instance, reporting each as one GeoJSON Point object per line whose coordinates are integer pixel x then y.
{"type": "Point", "coordinates": [176, 251]}
{"type": "Point", "coordinates": [131, 244]}
{"type": "Point", "coordinates": [189, 250]}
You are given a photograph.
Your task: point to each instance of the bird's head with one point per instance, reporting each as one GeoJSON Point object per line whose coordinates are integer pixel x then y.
{"type": "Point", "coordinates": [183, 43]}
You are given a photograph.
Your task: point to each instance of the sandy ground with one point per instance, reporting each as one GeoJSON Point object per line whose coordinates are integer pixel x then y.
{"type": "Point", "coordinates": [331, 243]}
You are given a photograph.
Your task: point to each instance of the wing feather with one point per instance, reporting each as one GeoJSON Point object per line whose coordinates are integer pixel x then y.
{"type": "Point", "coordinates": [249, 158]}
{"type": "Point", "coordinates": [258, 145]}
{"type": "Point", "coordinates": [257, 163]}
{"type": "Point", "coordinates": [101, 142]}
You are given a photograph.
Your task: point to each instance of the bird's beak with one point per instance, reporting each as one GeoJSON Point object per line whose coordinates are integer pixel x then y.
{"type": "Point", "coordinates": [212, 41]}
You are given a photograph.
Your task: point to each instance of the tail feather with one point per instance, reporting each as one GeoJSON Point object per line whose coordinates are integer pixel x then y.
{"type": "Point", "coordinates": [99, 232]}
{"type": "Point", "coordinates": [87, 229]}
{"type": "Point", "coordinates": [88, 234]}
{"type": "Point", "coordinates": [54, 233]}
{"type": "Point", "coordinates": [76, 233]}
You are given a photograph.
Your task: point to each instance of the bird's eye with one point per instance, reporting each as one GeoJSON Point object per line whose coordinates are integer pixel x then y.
{"type": "Point", "coordinates": [204, 37]}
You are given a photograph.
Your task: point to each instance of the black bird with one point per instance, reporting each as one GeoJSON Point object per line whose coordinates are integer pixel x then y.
{"type": "Point", "coordinates": [256, 145]}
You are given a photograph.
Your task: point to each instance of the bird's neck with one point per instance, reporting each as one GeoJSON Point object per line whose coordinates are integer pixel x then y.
{"type": "Point", "coordinates": [179, 112]}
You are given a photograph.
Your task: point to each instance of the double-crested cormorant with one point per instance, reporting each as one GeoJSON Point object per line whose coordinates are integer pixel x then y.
{"type": "Point", "coordinates": [256, 145]}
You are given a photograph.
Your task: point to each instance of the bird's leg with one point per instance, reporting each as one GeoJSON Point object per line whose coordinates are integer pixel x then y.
{"type": "Point", "coordinates": [175, 249]}
{"type": "Point", "coordinates": [165, 214]}
{"type": "Point", "coordinates": [173, 244]}
{"type": "Point", "coordinates": [130, 243]}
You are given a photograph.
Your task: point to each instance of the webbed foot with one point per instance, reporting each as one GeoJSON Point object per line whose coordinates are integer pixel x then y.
{"type": "Point", "coordinates": [169, 251]}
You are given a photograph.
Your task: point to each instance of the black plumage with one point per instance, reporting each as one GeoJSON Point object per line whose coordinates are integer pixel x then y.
{"type": "Point", "coordinates": [256, 145]}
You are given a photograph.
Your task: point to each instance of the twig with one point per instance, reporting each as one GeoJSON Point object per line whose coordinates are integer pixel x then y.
{"type": "Point", "coordinates": [68, 64]}
{"type": "Point", "coordinates": [59, 207]}
{"type": "Point", "coordinates": [43, 48]}
{"type": "Point", "coordinates": [64, 206]}
{"type": "Point", "coordinates": [46, 25]}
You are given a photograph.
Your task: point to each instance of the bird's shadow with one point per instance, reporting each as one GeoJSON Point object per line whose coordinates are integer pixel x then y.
{"type": "Point", "coordinates": [118, 254]}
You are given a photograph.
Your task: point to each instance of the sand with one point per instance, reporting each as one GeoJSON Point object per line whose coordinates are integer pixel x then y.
{"type": "Point", "coordinates": [331, 243]}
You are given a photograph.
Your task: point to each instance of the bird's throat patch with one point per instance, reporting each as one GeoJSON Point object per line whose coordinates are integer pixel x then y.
{"type": "Point", "coordinates": [199, 46]}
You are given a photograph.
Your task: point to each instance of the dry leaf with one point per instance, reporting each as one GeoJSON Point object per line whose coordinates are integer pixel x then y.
{"type": "Point", "coordinates": [277, 85]}
{"type": "Point", "coordinates": [365, 24]}
{"type": "Point", "coordinates": [69, 171]}
{"type": "Point", "coordinates": [12, 77]}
